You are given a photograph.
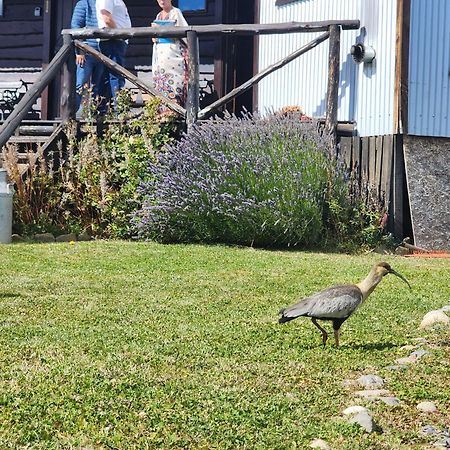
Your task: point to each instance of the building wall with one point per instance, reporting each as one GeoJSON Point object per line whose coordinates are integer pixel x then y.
{"type": "Point", "coordinates": [427, 163]}
{"type": "Point", "coordinates": [366, 93]}
{"type": "Point", "coordinates": [429, 68]}
{"type": "Point", "coordinates": [21, 34]}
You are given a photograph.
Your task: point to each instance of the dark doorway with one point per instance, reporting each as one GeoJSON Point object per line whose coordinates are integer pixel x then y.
{"type": "Point", "coordinates": [239, 54]}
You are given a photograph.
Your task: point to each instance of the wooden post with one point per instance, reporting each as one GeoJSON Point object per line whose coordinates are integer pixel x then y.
{"type": "Point", "coordinates": [333, 81]}
{"type": "Point", "coordinates": [68, 83]}
{"type": "Point", "coordinates": [193, 88]}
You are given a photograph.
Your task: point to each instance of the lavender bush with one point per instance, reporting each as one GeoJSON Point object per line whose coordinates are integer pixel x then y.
{"type": "Point", "coordinates": [252, 181]}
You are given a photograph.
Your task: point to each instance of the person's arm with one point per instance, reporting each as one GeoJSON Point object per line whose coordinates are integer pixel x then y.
{"type": "Point", "coordinates": [79, 21]}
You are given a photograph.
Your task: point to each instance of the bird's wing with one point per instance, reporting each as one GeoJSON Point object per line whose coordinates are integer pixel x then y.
{"type": "Point", "coordinates": [333, 303]}
{"type": "Point", "coordinates": [337, 302]}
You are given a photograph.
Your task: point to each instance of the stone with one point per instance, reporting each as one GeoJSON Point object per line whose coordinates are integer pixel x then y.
{"type": "Point", "coordinates": [434, 317]}
{"type": "Point", "coordinates": [443, 443]}
{"type": "Point", "coordinates": [421, 340]}
{"type": "Point", "coordinates": [429, 430]}
{"type": "Point", "coordinates": [84, 237]}
{"type": "Point", "coordinates": [17, 238]}
{"type": "Point", "coordinates": [405, 361]}
{"type": "Point", "coordinates": [402, 251]}
{"type": "Point", "coordinates": [66, 238]}
{"type": "Point", "coordinates": [390, 401]}
{"type": "Point", "coordinates": [445, 308]}
{"type": "Point", "coordinates": [371, 381]}
{"type": "Point", "coordinates": [428, 407]}
{"type": "Point", "coordinates": [372, 393]}
{"type": "Point", "coordinates": [44, 237]}
{"type": "Point", "coordinates": [365, 421]}
{"type": "Point", "coordinates": [352, 410]}
{"type": "Point", "coordinates": [397, 367]}
{"type": "Point", "coordinates": [320, 443]}
{"type": "Point", "coordinates": [419, 354]}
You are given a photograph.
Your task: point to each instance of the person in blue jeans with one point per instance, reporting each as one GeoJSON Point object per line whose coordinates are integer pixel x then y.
{"type": "Point", "coordinates": [113, 14]}
{"type": "Point", "coordinates": [89, 69]}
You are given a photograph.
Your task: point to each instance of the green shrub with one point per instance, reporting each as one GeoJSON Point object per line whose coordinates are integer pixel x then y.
{"type": "Point", "coordinates": [90, 184]}
{"type": "Point", "coordinates": [251, 181]}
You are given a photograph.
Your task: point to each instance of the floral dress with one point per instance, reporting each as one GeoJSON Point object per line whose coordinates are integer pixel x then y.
{"type": "Point", "coordinates": [169, 63]}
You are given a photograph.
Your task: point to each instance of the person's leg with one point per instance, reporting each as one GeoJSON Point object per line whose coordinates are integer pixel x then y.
{"type": "Point", "coordinates": [83, 78]}
{"type": "Point", "coordinates": [119, 49]}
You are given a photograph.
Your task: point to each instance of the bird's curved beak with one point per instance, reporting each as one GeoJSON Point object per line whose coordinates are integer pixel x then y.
{"type": "Point", "coordinates": [400, 276]}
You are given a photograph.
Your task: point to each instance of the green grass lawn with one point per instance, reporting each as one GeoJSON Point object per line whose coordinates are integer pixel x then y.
{"type": "Point", "coordinates": [118, 345]}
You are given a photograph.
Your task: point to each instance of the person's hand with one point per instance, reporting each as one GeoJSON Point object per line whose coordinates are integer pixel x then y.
{"type": "Point", "coordinates": [80, 60]}
{"type": "Point", "coordinates": [153, 24]}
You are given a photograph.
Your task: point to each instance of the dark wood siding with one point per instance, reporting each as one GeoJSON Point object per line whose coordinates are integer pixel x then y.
{"type": "Point", "coordinates": [21, 34]}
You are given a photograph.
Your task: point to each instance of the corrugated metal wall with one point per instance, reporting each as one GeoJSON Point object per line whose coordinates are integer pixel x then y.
{"type": "Point", "coordinates": [366, 91]}
{"type": "Point", "coordinates": [429, 68]}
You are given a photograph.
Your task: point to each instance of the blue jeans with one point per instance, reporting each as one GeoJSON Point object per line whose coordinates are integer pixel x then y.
{"type": "Point", "coordinates": [90, 73]}
{"type": "Point", "coordinates": [115, 50]}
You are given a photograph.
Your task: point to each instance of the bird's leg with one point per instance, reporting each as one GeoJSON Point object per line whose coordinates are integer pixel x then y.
{"type": "Point", "coordinates": [322, 330]}
{"type": "Point", "coordinates": [336, 337]}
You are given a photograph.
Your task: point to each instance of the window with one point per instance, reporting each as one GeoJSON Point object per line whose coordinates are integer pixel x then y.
{"type": "Point", "coordinates": [1, 8]}
{"type": "Point", "coordinates": [192, 5]}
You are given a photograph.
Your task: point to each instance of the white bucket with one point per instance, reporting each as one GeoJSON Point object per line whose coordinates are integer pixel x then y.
{"type": "Point", "coordinates": [6, 208]}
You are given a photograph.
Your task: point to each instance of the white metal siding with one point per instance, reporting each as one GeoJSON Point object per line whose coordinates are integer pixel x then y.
{"type": "Point", "coordinates": [429, 68]}
{"type": "Point", "coordinates": [366, 92]}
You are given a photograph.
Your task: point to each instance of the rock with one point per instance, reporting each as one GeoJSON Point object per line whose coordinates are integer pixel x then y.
{"type": "Point", "coordinates": [429, 407]}
{"type": "Point", "coordinates": [372, 393]}
{"type": "Point", "coordinates": [402, 251]}
{"type": "Point", "coordinates": [390, 401]}
{"type": "Point", "coordinates": [352, 410]}
{"type": "Point", "coordinates": [421, 340]}
{"type": "Point", "coordinates": [429, 430]}
{"type": "Point", "coordinates": [319, 443]}
{"type": "Point", "coordinates": [434, 317]}
{"type": "Point", "coordinates": [365, 421]}
{"type": "Point", "coordinates": [405, 361]}
{"type": "Point", "coordinates": [67, 238]}
{"type": "Point", "coordinates": [17, 238]}
{"type": "Point", "coordinates": [443, 443]}
{"type": "Point", "coordinates": [445, 308]}
{"type": "Point", "coordinates": [397, 367]}
{"type": "Point", "coordinates": [371, 381]}
{"type": "Point", "coordinates": [84, 237]}
{"type": "Point", "coordinates": [419, 354]}
{"type": "Point", "coordinates": [44, 237]}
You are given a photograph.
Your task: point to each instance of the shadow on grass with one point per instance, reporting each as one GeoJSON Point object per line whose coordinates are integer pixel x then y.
{"type": "Point", "coordinates": [8, 295]}
{"type": "Point", "coordinates": [374, 346]}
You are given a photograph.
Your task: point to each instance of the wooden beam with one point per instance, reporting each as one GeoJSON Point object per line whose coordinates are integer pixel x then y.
{"type": "Point", "coordinates": [130, 77]}
{"type": "Point", "coordinates": [68, 84]}
{"type": "Point", "coordinates": [46, 54]}
{"type": "Point", "coordinates": [334, 61]}
{"type": "Point", "coordinates": [257, 78]}
{"type": "Point", "coordinates": [238, 29]}
{"type": "Point", "coordinates": [22, 108]}
{"type": "Point", "coordinates": [401, 66]}
{"type": "Point", "coordinates": [193, 91]}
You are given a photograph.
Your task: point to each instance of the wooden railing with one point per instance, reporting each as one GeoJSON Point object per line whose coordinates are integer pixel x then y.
{"type": "Point", "coordinates": [65, 60]}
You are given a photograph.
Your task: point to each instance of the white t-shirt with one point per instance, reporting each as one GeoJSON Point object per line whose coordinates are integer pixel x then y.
{"type": "Point", "coordinates": [118, 10]}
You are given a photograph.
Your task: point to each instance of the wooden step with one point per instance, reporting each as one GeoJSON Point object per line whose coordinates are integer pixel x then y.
{"type": "Point", "coordinates": [36, 130]}
{"type": "Point", "coordinates": [27, 139]}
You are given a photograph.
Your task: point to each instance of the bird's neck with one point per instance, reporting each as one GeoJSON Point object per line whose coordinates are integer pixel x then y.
{"type": "Point", "coordinates": [369, 283]}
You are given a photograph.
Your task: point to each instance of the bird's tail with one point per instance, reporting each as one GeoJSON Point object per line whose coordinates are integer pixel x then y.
{"type": "Point", "coordinates": [283, 318]}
